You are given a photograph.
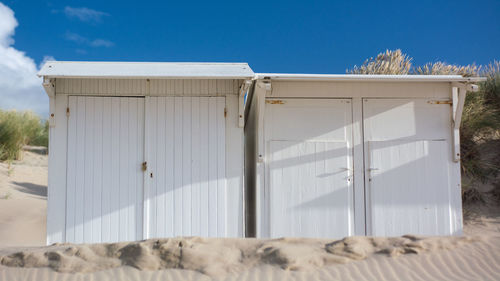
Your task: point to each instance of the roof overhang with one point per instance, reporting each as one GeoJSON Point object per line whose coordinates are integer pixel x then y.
{"type": "Point", "coordinates": [367, 78]}
{"type": "Point", "coordinates": [136, 70]}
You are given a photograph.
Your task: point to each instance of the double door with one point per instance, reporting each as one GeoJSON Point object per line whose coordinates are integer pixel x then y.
{"type": "Point", "coordinates": [141, 169]}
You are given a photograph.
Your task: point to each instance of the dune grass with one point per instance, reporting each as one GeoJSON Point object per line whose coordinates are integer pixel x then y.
{"type": "Point", "coordinates": [18, 129]}
{"type": "Point", "coordinates": [480, 126]}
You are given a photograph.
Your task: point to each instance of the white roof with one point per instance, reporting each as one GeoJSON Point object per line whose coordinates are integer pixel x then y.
{"type": "Point", "coordinates": [367, 77]}
{"type": "Point", "coordinates": [173, 70]}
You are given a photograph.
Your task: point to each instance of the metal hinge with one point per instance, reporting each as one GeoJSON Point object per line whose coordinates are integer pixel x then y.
{"type": "Point", "coordinates": [225, 112]}
{"type": "Point", "coordinates": [275, 101]}
{"type": "Point", "coordinates": [67, 111]}
{"type": "Point", "coordinates": [440, 102]}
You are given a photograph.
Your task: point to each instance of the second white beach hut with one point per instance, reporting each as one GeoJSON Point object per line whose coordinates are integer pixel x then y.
{"type": "Point", "coordinates": [341, 155]}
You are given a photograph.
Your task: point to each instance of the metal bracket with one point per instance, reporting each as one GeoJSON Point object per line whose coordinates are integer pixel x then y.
{"type": "Point", "coordinates": [241, 102]}
{"type": "Point", "coordinates": [49, 84]}
{"type": "Point", "coordinates": [458, 92]}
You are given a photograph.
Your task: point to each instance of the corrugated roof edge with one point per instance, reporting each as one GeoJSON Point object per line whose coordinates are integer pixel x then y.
{"type": "Point", "coordinates": [367, 77]}
{"type": "Point", "coordinates": [166, 70]}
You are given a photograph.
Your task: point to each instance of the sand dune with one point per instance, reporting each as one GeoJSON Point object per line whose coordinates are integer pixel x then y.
{"type": "Point", "coordinates": [353, 258]}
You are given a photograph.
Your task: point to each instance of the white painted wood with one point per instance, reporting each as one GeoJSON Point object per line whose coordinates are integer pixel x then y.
{"type": "Point", "coordinates": [204, 170]}
{"type": "Point", "coordinates": [234, 168]}
{"type": "Point", "coordinates": [107, 147]}
{"type": "Point", "coordinates": [186, 165]}
{"type": "Point", "coordinates": [104, 184]}
{"type": "Point", "coordinates": [407, 159]}
{"type": "Point", "coordinates": [115, 170]}
{"type": "Point", "coordinates": [221, 168]}
{"type": "Point", "coordinates": [359, 89]}
{"type": "Point", "coordinates": [97, 166]}
{"type": "Point", "coordinates": [212, 168]}
{"type": "Point", "coordinates": [188, 194]}
{"type": "Point", "coordinates": [309, 168]}
{"type": "Point", "coordinates": [171, 70]}
{"type": "Point", "coordinates": [141, 87]}
{"type": "Point", "coordinates": [458, 107]}
{"type": "Point", "coordinates": [358, 165]}
{"type": "Point", "coordinates": [410, 181]}
{"type": "Point", "coordinates": [56, 200]}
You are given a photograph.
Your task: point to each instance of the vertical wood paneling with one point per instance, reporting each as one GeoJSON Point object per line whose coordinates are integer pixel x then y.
{"type": "Point", "coordinates": [204, 164]}
{"type": "Point", "coordinates": [195, 165]}
{"type": "Point", "coordinates": [88, 169]}
{"type": "Point", "coordinates": [107, 147]}
{"type": "Point", "coordinates": [104, 179]}
{"type": "Point", "coordinates": [161, 159]}
{"type": "Point", "coordinates": [188, 158]}
{"type": "Point", "coordinates": [115, 168]}
{"type": "Point", "coordinates": [407, 145]}
{"type": "Point", "coordinates": [419, 166]}
{"type": "Point", "coordinates": [221, 168]}
{"type": "Point", "coordinates": [186, 166]}
{"type": "Point", "coordinates": [71, 171]}
{"type": "Point", "coordinates": [123, 164]}
{"type": "Point", "coordinates": [178, 183]}
{"type": "Point", "coordinates": [309, 168]}
{"type": "Point", "coordinates": [80, 177]}
{"type": "Point", "coordinates": [152, 159]}
{"type": "Point", "coordinates": [97, 170]}
{"type": "Point", "coordinates": [212, 168]}
{"type": "Point", "coordinates": [169, 167]}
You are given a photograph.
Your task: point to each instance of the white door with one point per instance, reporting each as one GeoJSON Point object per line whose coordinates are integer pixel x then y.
{"type": "Point", "coordinates": [308, 168]}
{"type": "Point", "coordinates": [186, 188]}
{"type": "Point", "coordinates": [104, 177]}
{"type": "Point", "coordinates": [407, 156]}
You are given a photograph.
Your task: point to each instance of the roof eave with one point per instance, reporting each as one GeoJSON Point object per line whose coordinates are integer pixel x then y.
{"type": "Point", "coordinates": [367, 78]}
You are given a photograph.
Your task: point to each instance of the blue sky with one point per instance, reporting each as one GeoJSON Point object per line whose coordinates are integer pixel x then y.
{"type": "Point", "coordinates": [272, 36]}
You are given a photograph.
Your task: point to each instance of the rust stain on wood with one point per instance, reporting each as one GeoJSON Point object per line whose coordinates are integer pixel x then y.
{"type": "Point", "coordinates": [275, 102]}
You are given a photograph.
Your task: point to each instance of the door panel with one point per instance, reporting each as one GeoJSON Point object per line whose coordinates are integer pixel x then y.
{"type": "Point", "coordinates": [407, 156]}
{"type": "Point", "coordinates": [408, 189]}
{"type": "Point", "coordinates": [309, 168]}
{"type": "Point", "coordinates": [186, 194]}
{"type": "Point", "coordinates": [104, 180]}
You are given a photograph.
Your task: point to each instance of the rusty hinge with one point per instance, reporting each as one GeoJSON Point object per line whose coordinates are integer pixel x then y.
{"type": "Point", "coordinates": [67, 111]}
{"type": "Point", "coordinates": [439, 102]}
{"type": "Point", "coordinates": [275, 101]}
{"type": "Point", "coordinates": [144, 166]}
{"type": "Point", "coordinates": [225, 112]}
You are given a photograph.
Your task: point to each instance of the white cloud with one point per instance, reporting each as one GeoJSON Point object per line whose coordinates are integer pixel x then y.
{"type": "Point", "coordinates": [101, 43]}
{"type": "Point", "coordinates": [85, 14]}
{"type": "Point", "coordinates": [20, 88]}
{"type": "Point", "coordinates": [77, 38]}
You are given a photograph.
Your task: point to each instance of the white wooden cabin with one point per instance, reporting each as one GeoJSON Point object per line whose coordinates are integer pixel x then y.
{"type": "Point", "coordinates": [341, 155]}
{"type": "Point", "coordinates": [143, 150]}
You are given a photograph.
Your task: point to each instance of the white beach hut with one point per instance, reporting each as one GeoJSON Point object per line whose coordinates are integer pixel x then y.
{"type": "Point", "coordinates": [142, 150]}
{"type": "Point", "coordinates": [340, 155]}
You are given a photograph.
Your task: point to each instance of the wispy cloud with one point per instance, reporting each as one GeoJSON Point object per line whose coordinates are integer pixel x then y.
{"type": "Point", "coordinates": [85, 14]}
{"type": "Point", "coordinates": [101, 43]}
{"type": "Point", "coordinates": [77, 38]}
{"type": "Point", "coordinates": [70, 36]}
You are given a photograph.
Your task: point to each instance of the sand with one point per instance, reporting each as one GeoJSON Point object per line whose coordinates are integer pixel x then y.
{"type": "Point", "coordinates": [475, 256]}
{"type": "Point", "coordinates": [23, 201]}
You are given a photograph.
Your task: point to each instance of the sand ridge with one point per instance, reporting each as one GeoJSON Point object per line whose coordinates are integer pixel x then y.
{"type": "Point", "coordinates": [218, 257]}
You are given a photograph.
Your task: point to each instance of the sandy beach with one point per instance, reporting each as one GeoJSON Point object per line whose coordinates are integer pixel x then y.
{"type": "Point", "coordinates": [475, 256]}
